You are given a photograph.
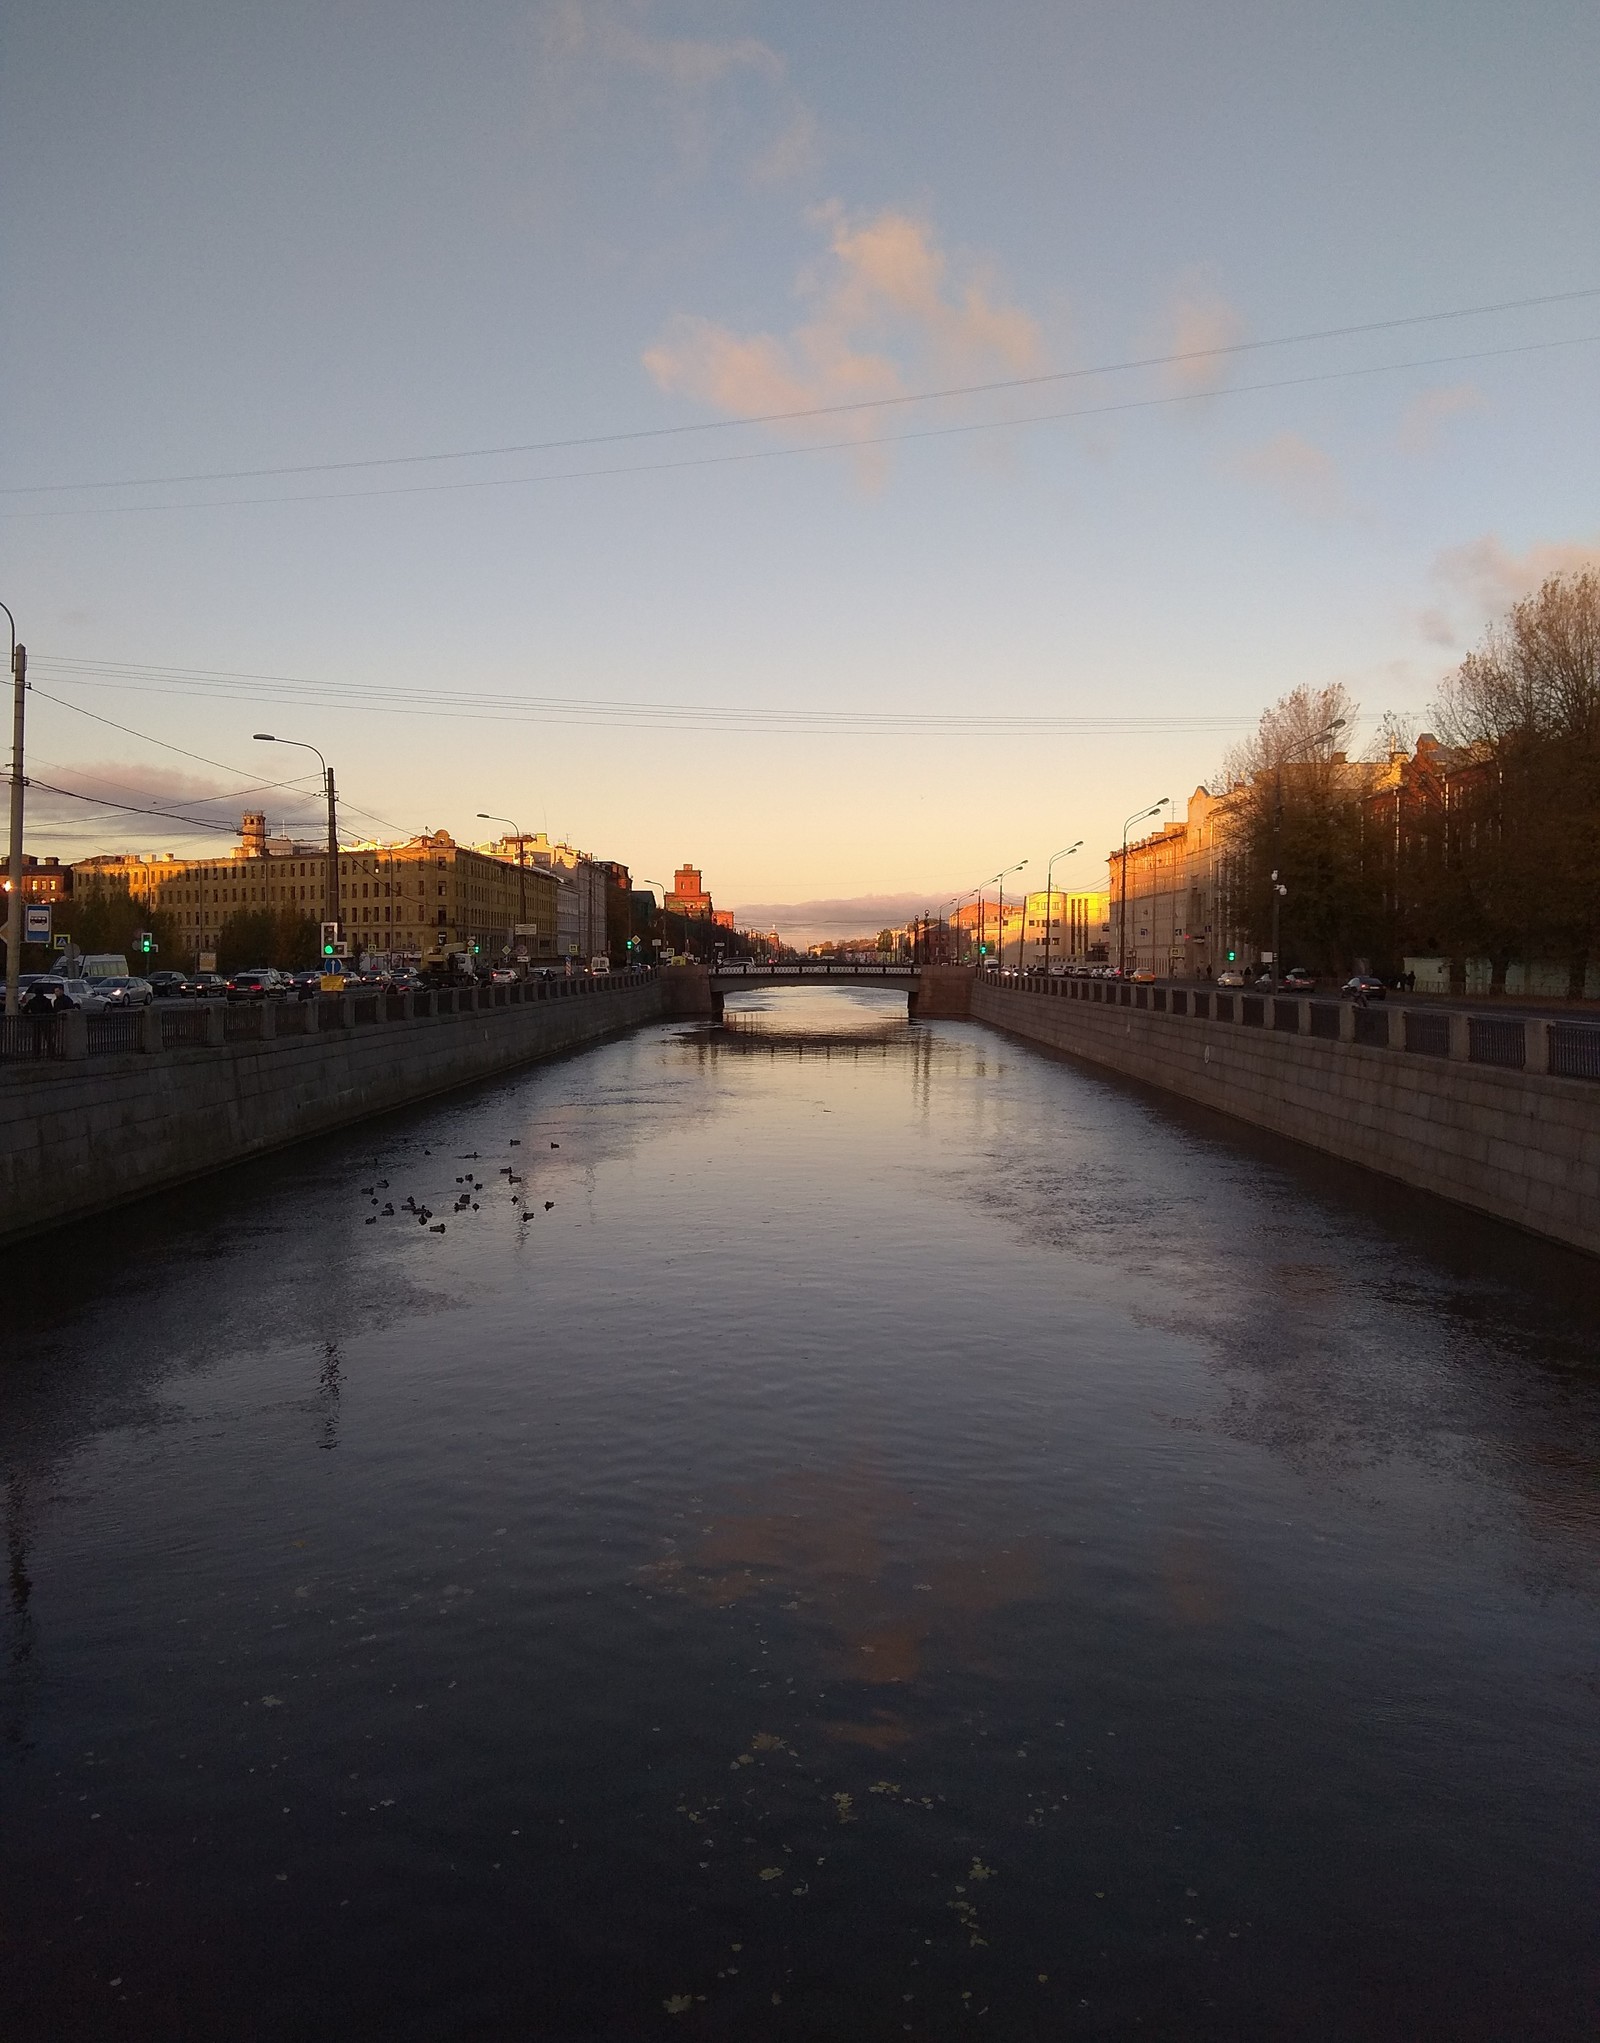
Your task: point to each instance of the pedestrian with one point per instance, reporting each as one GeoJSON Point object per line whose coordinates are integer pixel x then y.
{"type": "Point", "coordinates": [39, 1004]}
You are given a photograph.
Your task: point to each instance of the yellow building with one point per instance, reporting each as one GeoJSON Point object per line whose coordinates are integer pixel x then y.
{"type": "Point", "coordinates": [410, 900]}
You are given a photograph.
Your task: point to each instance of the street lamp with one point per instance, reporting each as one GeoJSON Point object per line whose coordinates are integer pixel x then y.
{"type": "Point", "coordinates": [331, 890]}
{"type": "Point", "coordinates": [1139, 816]}
{"type": "Point", "coordinates": [1278, 888]}
{"type": "Point", "coordinates": [1049, 878]}
{"type": "Point", "coordinates": [522, 860]}
{"type": "Point", "coordinates": [15, 889]}
{"type": "Point", "coordinates": [1000, 912]}
{"type": "Point", "coordinates": [664, 890]}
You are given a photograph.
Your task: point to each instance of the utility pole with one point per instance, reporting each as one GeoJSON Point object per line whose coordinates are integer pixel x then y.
{"type": "Point", "coordinates": [14, 900]}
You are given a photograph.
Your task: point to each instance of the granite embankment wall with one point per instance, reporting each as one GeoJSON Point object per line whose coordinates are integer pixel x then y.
{"type": "Point", "coordinates": [82, 1132]}
{"type": "Point", "coordinates": [1459, 1105]}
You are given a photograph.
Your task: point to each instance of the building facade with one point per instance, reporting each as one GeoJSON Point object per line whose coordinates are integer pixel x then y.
{"type": "Point", "coordinates": [688, 896]}
{"type": "Point", "coordinates": [407, 901]}
{"type": "Point", "coordinates": [1171, 907]}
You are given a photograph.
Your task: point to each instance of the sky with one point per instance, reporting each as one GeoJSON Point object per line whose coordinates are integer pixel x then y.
{"type": "Point", "coordinates": [257, 261]}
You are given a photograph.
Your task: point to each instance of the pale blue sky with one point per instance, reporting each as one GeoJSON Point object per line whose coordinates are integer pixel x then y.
{"type": "Point", "coordinates": [246, 239]}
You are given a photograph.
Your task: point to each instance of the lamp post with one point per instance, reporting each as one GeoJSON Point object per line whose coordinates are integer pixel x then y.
{"type": "Point", "coordinates": [331, 890]}
{"type": "Point", "coordinates": [1000, 912]}
{"type": "Point", "coordinates": [1049, 881]}
{"type": "Point", "coordinates": [663, 886]}
{"type": "Point", "coordinates": [1278, 888]}
{"type": "Point", "coordinates": [14, 886]}
{"type": "Point", "coordinates": [1138, 816]}
{"type": "Point", "coordinates": [522, 861]}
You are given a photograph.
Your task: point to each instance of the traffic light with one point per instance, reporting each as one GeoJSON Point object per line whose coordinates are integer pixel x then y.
{"type": "Point", "coordinates": [143, 942]}
{"type": "Point", "coordinates": [1231, 956]}
{"type": "Point", "coordinates": [476, 947]}
{"type": "Point", "coordinates": [983, 950]}
{"type": "Point", "coordinates": [330, 939]}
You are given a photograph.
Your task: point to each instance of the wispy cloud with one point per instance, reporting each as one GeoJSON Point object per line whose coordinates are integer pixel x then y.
{"type": "Point", "coordinates": [1424, 417]}
{"type": "Point", "coordinates": [1198, 322]}
{"type": "Point", "coordinates": [1303, 475]}
{"type": "Point", "coordinates": [1481, 579]}
{"type": "Point", "coordinates": [794, 153]}
{"type": "Point", "coordinates": [886, 308]}
{"type": "Point", "coordinates": [821, 921]}
{"type": "Point", "coordinates": [612, 34]}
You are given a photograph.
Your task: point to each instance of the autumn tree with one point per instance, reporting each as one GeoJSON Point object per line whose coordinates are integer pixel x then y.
{"type": "Point", "coordinates": [1523, 848]}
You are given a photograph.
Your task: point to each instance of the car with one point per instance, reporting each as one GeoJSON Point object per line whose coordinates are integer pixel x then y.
{"type": "Point", "coordinates": [125, 993]}
{"type": "Point", "coordinates": [1143, 975]}
{"type": "Point", "coordinates": [80, 993]}
{"type": "Point", "coordinates": [502, 975]}
{"type": "Point", "coordinates": [260, 982]}
{"type": "Point", "coordinates": [1362, 986]}
{"type": "Point", "coordinates": [204, 986]}
{"type": "Point", "coordinates": [1231, 978]}
{"type": "Point", "coordinates": [305, 985]}
{"type": "Point", "coordinates": [167, 985]}
{"type": "Point", "coordinates": [1298, 980]}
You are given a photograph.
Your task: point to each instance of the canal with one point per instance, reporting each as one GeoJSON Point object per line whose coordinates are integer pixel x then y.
{"type": "Point", "coordinates": [817, 1528]}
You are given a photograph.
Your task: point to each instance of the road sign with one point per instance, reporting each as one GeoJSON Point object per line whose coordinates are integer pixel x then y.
{"type": "Point", "coordinates": [524, 929]}
{"type": "Point", "coordinates": [208, 962]}
{"type": "Point", "coordinates": [36, 924]}
{"type": "Point", "coordinates": [61, 943]}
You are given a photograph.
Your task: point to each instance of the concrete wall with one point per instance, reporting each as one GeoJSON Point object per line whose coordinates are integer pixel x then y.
{"type": "Point", "coordinates": [81, 1136]}
{"type": "Point", "coordinates": [1519, 1145]}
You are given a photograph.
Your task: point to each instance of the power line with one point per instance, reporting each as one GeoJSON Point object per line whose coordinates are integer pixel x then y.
{"type": "Point", "coordinates": [265, 787]}
{"type": "Point", "coordinates": [755, 454]}
{"type": "Point", "coordinates": [129, 809]}
{"type": "Point", "coordinates": [1228, 348]}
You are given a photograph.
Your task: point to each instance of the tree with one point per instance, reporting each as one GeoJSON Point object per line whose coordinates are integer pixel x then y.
{"type": "Point", "coordinates": [266, 936]}
{"type": "Point", "coordinates": [1523, 851]}
{"type": "Point", "coordinates": [1294, 809]}
{"type": "Point", "coordinates": [107, 917]}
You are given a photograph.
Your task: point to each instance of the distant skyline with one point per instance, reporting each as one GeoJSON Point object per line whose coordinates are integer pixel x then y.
{"type": "Point", "coordinates": [260, 261]}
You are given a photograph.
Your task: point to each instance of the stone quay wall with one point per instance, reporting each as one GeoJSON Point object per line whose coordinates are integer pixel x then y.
{"type": "Point", "coordinates": [104, 1115]}
{"type": "Point", "coordinates": [1477, 1109]}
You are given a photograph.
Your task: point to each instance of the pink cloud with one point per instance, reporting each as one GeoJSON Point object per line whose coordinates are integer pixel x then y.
{"type": "Point", "coordinates": [886, 309]}
{"type": "Point", "coordinates": [1424, 416]}
{"type": "Point", "coordinates": [1199, 323]}
{"type": "Point", "coordinates": [1301, 473]}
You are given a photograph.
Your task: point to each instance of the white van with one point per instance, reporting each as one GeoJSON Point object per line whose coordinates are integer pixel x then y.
{"type": "Point", "coordinates": [599, 966]}
{"type": "Point", "coordinates": [105, 965]}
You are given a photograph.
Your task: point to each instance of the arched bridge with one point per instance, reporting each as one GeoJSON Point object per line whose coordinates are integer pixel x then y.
{"type": "Point", "coordinates": [931, 990]}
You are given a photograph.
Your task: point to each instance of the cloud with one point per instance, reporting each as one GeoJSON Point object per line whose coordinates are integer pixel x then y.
{"type": "Point", "coordinates": [690, 63]}
{"type": "Point", "coordinates": [1424, 416]}
{"type": "Point", "coordinates": [122, 788]}
{"type": "Point", "coordinates": [1302, 474]}
{"type": "Point", "coordinates": [1483, 577]}
{"type": "Point", "coordinates": [793, 154]}
{"type": "Point", "coordinates": [803, 922]}
{"type": "Point", "coordinates": [1199, 321]}
{"type": "Point", "coordinates": [886, 308]}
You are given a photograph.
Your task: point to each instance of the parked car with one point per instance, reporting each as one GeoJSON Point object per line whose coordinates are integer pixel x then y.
{"type": "Point", "coordinates": [1298, 980]}
{"type": "Point", "coordinates": [1362, 984]}
{"type": "Point", "coordinates": [262, 982]}
{"type": "Point", "coordinates": [168, 985]}
{"type": "Point", "coordinates": [205, 986]}
{"type": "Point", "coordinates": [80, 993]}
{"type": "Point", "coordinates": [125, 993]}
{"type": "Point", "coordinates": [1231, 978]}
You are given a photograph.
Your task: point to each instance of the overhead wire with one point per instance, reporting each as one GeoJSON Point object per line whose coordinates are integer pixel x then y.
{"type": "Point", "coordinates": [746, 456]}
{"type": "Point", "coordinates": [798, 414]}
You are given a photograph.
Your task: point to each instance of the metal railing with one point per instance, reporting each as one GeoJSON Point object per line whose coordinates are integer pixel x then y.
{"type": "Point", "coordinates": [1427, 1032]}
{"type": "Point", "coordinates": [1286, 1017]}
{"type": "Point", "coordinates": [182, 1027]}
{"type": "Point", "coordinates": [29, 1036]}
{"type": "Point", "coordinates": [1574, 1050]}
{"type": "Point", "coordinates": [1372, 1026]}
{"type": "Point", "coordinates": [112, 1034]}
{"type": "Point", "coordinates": [1492, 1039]}
{"type": "Point", "coordinates": [241, 1022]}
{"type": "Point", "coordinates": [1325, 1020]}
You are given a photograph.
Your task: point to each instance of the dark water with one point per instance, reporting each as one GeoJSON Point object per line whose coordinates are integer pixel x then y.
{"type": "Point", "coordinates": [916, 1540]}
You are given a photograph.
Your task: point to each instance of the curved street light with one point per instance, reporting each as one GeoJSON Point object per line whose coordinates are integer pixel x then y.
{"type": "Point", "coordinates": [331, 890]}
{"type": "Point", "coordinates": [664, 891]}
{"type": "Point", "coordinates": [1049, 882]}
{"type": "Point", "coordinates": [1000, 912]}
{"type": "Point", "coordinates": [484, 816]}
{"type": "Point", "coordinates": [1138, 816]}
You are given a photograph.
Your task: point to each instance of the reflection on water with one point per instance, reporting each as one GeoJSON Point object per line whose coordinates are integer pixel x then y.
{"type": "Point", "coordinates": [853, 1529]}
